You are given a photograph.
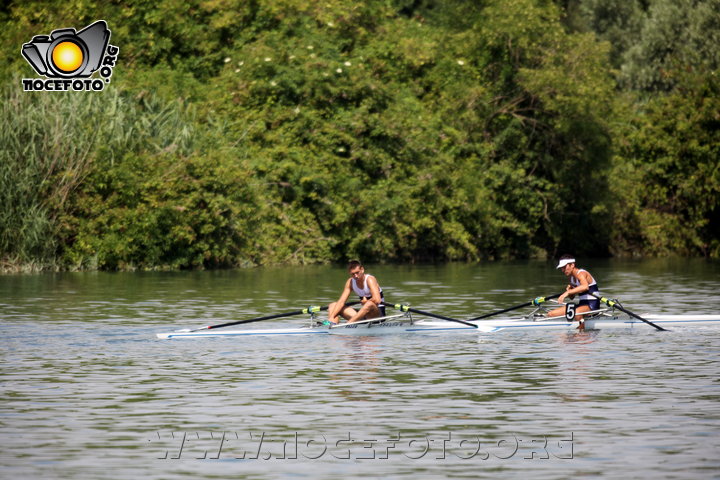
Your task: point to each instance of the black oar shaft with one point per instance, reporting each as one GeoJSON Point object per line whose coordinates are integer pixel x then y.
{"type": "Point", "coordinates": [614, 304]}
{"type": "Point", "coordinates": [268, 317]}
{"type": "Point", "coordinates": [405, 308]}
{"type": "Point", "coordinates": [516, 307]}
{"type": "Point", "coordinates": [311, 309]}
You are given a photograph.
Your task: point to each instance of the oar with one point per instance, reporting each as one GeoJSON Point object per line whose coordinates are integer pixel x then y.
{"type": "Point", "coordinates": [311, 309]}
{"type": "Point", "coordinates": [405, 308]}
{"type": "Point", "coordinates": [536, 301]}
{"type": "Point", "coordinates": [615, 304]}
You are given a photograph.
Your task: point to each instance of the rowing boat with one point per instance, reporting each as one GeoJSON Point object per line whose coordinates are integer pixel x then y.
{"type": "Point", "coordinates": [405, 323]}
{"type": "Point", "coordinates": [600, 322]}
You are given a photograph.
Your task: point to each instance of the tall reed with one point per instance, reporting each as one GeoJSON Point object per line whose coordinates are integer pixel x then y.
{"type": "Point", "coordinates": [51, 141]}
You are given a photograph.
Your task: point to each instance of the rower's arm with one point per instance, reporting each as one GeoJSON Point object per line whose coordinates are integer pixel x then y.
{"type": "Point", "coordinates": [341, 301]}
{"type": "Point", "coordinates": [584, 284]}
{"type": "Point", "coordinates": [571, 291]}
{"type": "Point", "coordinates": [374, 290]}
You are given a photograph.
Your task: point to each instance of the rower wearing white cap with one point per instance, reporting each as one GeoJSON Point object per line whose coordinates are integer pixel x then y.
{"type": "Point", "coordinates": [581, 283]}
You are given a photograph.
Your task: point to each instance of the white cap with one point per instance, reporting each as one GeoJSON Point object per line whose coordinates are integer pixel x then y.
{"type": "Point", "coordinates": [565, 261]}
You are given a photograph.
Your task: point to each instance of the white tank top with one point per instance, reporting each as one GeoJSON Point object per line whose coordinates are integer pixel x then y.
{"type": "Point", "coordinates": [364, 292]}
{"type": "Point", "coordinates": [592, 286]}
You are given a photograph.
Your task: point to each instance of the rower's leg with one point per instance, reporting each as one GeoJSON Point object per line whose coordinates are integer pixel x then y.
{"type": "Point", "coordinates": [581, 309]}
{"type": "Point", "coordinates": [581, 318]}
{"type": "Point", "coordinates": [560, 312]}
{"type": "Point", "coordinates": [330, 309]}
{"type": "Point", "coordinates": [349, 313]}
{"type": "Point", "coordinates": [368, 310]}
{"type": "Point", "coordinates": [346, 313]}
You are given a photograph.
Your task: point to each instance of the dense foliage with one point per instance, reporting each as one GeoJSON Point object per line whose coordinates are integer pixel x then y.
{"type": "Point", "coordinates": [240, 132]}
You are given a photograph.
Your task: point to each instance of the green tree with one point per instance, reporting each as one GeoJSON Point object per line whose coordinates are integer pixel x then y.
{"type": "Point", "coordinates": [676, 35]}
{"type": "Point", "coordinates": [667, 177]}
{"type": "Point", "coordinates": [294, 131]}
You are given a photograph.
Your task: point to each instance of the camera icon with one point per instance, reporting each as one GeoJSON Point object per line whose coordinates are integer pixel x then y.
{"type": "Point", "coordinates": [67, 53]}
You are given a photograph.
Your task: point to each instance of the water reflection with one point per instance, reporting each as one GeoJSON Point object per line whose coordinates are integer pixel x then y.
{"type": "Point", "coordinates": [582, 337]}
{"type": "Point", "coordinates": [355, 371]}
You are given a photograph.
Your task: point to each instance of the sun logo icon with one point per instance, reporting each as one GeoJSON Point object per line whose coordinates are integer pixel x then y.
{"type": "Point", "coordinates": [67, 57]}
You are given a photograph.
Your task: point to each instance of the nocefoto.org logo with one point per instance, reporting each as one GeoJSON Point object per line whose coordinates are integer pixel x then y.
{"type": "Point", "coordinates": [68, 58]}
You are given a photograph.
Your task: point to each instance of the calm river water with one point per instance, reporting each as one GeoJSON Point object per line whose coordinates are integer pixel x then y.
{"type": "Point", "coordinates": [89, 392]}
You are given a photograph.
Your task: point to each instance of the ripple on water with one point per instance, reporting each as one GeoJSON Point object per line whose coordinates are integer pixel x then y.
{"type": "Point", "coordinates": [89, 392]}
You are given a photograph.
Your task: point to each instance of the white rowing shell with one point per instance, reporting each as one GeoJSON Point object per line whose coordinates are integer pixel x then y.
{"type": "Point", "coordinates": [430, 326]}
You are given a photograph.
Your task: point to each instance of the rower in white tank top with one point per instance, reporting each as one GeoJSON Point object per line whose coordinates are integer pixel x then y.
{"type": "Point", "coordinates": [371, 297]}
{"type": "Point", "coordinates": [365, 291]}
{"type": "Point", "coordinates": [580, 282]}
{"type": "Point", "coordinates": [586, 298]}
